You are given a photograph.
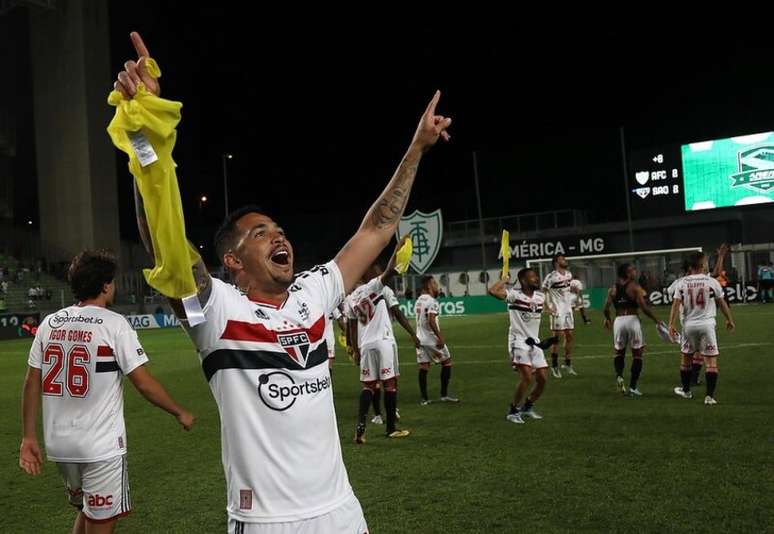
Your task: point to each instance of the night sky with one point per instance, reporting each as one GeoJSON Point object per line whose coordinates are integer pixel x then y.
{"type": "Point", "coordinates": [318, 113]}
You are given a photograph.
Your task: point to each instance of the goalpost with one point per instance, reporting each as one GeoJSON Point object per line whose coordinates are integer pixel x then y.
{"type": "Point", "coordinates": [659, 267]}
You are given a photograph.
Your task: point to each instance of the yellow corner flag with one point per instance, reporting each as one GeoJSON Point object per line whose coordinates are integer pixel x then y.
{"type": "Point", "coordinates": [144, 128]}
{"type": "Point", "coordinates": [403, 257]}
{"type": "Point", "coordinates": [505, 251]}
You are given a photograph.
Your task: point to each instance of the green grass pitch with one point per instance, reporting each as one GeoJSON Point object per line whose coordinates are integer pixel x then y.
{"type": "Point", "coordinates": [598, 462]}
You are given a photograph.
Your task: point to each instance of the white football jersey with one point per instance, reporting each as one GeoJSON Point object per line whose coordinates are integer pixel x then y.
{"type": "Point", "coordinates": [697, 294]}
{"type": "Point", "coordinates": [83, 353]}
{"type": "Point", "coordinates": [423, 308]}
{"type": "Point", "coordinates": [370, 305]}
{"type": "Point", "coordinates": [557, 286]}
{"type": "Point", "coordinates": [525, 313]}
{"type": "Point", "coordinates": [266, 365]}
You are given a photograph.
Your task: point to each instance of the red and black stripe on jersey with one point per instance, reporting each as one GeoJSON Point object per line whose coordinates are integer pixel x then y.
{"type": "Point", "coordinates": [525, 308]}
{"type": "Point", "coordinates": [264, 359]}
{"type": "Point", "coordinates": [106, 366]}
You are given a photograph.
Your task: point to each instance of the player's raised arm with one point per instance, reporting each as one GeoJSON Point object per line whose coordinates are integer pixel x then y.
{"type": "Point", "coordinates": [201, 275]}
{"type": "Point", "coordinates": [382, 219]}
{"type": "Point", "coordinates": [498, 290]}
{"type": "Point", "coordinates": [127, 82]}
{"type": "Point", "coordinates": [719, 264]}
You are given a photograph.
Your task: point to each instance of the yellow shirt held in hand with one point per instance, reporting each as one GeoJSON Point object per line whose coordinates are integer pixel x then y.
{"type": "Point", "coordinates": [144, 128]}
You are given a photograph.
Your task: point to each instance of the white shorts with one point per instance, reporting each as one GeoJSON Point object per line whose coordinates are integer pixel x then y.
{"type": "Point", "coordinates": [379, 361]}
{"type": "Point", "coordinates": [532, 356]}
{"type": "Point", "coordinates": [346, 519]}
{"type": "Point", "coordinates": [432, 354]}
{"type": "Point", "coordinates": [99, 489]}
{"type": "Point", "coordinates": [563, 320]}
{"type": "Point", "coordinates": [700, 338]}
{"type": "Point", "coordinates": [627, 331]}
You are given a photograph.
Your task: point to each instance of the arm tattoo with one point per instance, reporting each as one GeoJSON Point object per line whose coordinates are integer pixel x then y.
{"type": "Point", "coordinates": [203, 281]}
{"type": "Point", "coordinates": [390, 205]}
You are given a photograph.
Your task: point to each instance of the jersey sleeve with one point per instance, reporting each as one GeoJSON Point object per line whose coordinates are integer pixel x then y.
{"type": "Point", "coordinates": [510, 296]}
{"type": "Point", "coordinates": [672, 288]}
{"type": "Point", "coordinates": [128, 352]}
{"type": "Point", "coordinates": [349, 311]}
{"type": "Point", "coordinates": [433, 308]}
{"type": "Point", "coordinates": [677, 291]}
{"type": "Point", "coordinates": [205, 335]}
{"type": "Point", "coordinates": [547, 281]}
{"type": "Point", "coordinates": [324, 283]}
{"type": "Point", "coordinates": [389, 297]}
{"type": "Point", "coordinates": [35, 358]}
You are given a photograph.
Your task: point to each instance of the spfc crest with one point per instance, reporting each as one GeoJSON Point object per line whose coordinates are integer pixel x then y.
{"type": "Point", "coordinates": [296, 345]}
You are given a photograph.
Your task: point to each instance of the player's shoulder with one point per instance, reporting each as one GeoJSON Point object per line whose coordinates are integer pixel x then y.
{"type": "Point", "coordinates": [315, 276]}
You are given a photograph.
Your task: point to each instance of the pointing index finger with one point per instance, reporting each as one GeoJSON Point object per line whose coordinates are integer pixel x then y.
{"type": "Point", "coordinates": [433, 102]}
{"type": "Point", "coordinates": [139, 45]}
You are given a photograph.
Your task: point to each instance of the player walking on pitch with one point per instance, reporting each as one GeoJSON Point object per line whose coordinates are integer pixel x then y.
{"type": "Point", "coordinates": [558, 290]}
{"type": "Point", "coordinates": [375, 350]}
{"type": "Point", "coordinates": [525, 308]}
{"type": "Point", "coordinates": [268, 371]}
{"type": "Point", "coordinates": [77, 363]}
{"type": "Point", "coordinates": [627, 297]}
{"type": "Point", "coordinates": [696, 299]}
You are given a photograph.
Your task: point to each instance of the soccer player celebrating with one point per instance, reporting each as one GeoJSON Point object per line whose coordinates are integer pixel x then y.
{"type": "Point", "coordinates": [696, 299]}
{"type": "Point", "coordinates": [525, 307]}
{"type": "Point", "coordinates": [627, 297]}
{"type": "Point", "coordinates": [557, 288]}
{"type": "Point", "coordinates": [268, 371]}
{"type": "Point", "coordinates": [77, 363]}
{"type": "Point", "coordinates": [432, 345]}
{"type": "Point", "coordinates": [368, 313]}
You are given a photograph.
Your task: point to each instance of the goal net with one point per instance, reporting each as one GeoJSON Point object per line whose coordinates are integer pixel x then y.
{"type": "Point", "coordinates": [656, 268]}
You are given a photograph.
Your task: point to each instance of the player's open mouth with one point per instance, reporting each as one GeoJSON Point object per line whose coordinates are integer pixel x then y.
{"type": "Point", "coordinates": [280, 256]}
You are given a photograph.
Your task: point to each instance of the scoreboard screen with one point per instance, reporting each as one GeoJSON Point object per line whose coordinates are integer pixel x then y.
{"type": "Point", "coordinates": [673, 179]}
{"type": "Point", "coordinates": [737, 171]}
{"type": "Point", "coordinates": [656, 182]}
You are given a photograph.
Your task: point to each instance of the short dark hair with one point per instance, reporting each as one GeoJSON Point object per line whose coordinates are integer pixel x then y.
{"type": "Point", "coordinates": [522, 274]}
{"type": "Point", "coordinates": [695, 260]}
{"type": "Point", "coordinates": [226, 235]}
{"type": "Point", "coordinates": [425, 280]}
{"type": "Point", "coordinates": [622, 270]}
{"type": "Point", "coordinates": [555, 258]}
{"type": "Point", "coordinates": [90, 271]}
